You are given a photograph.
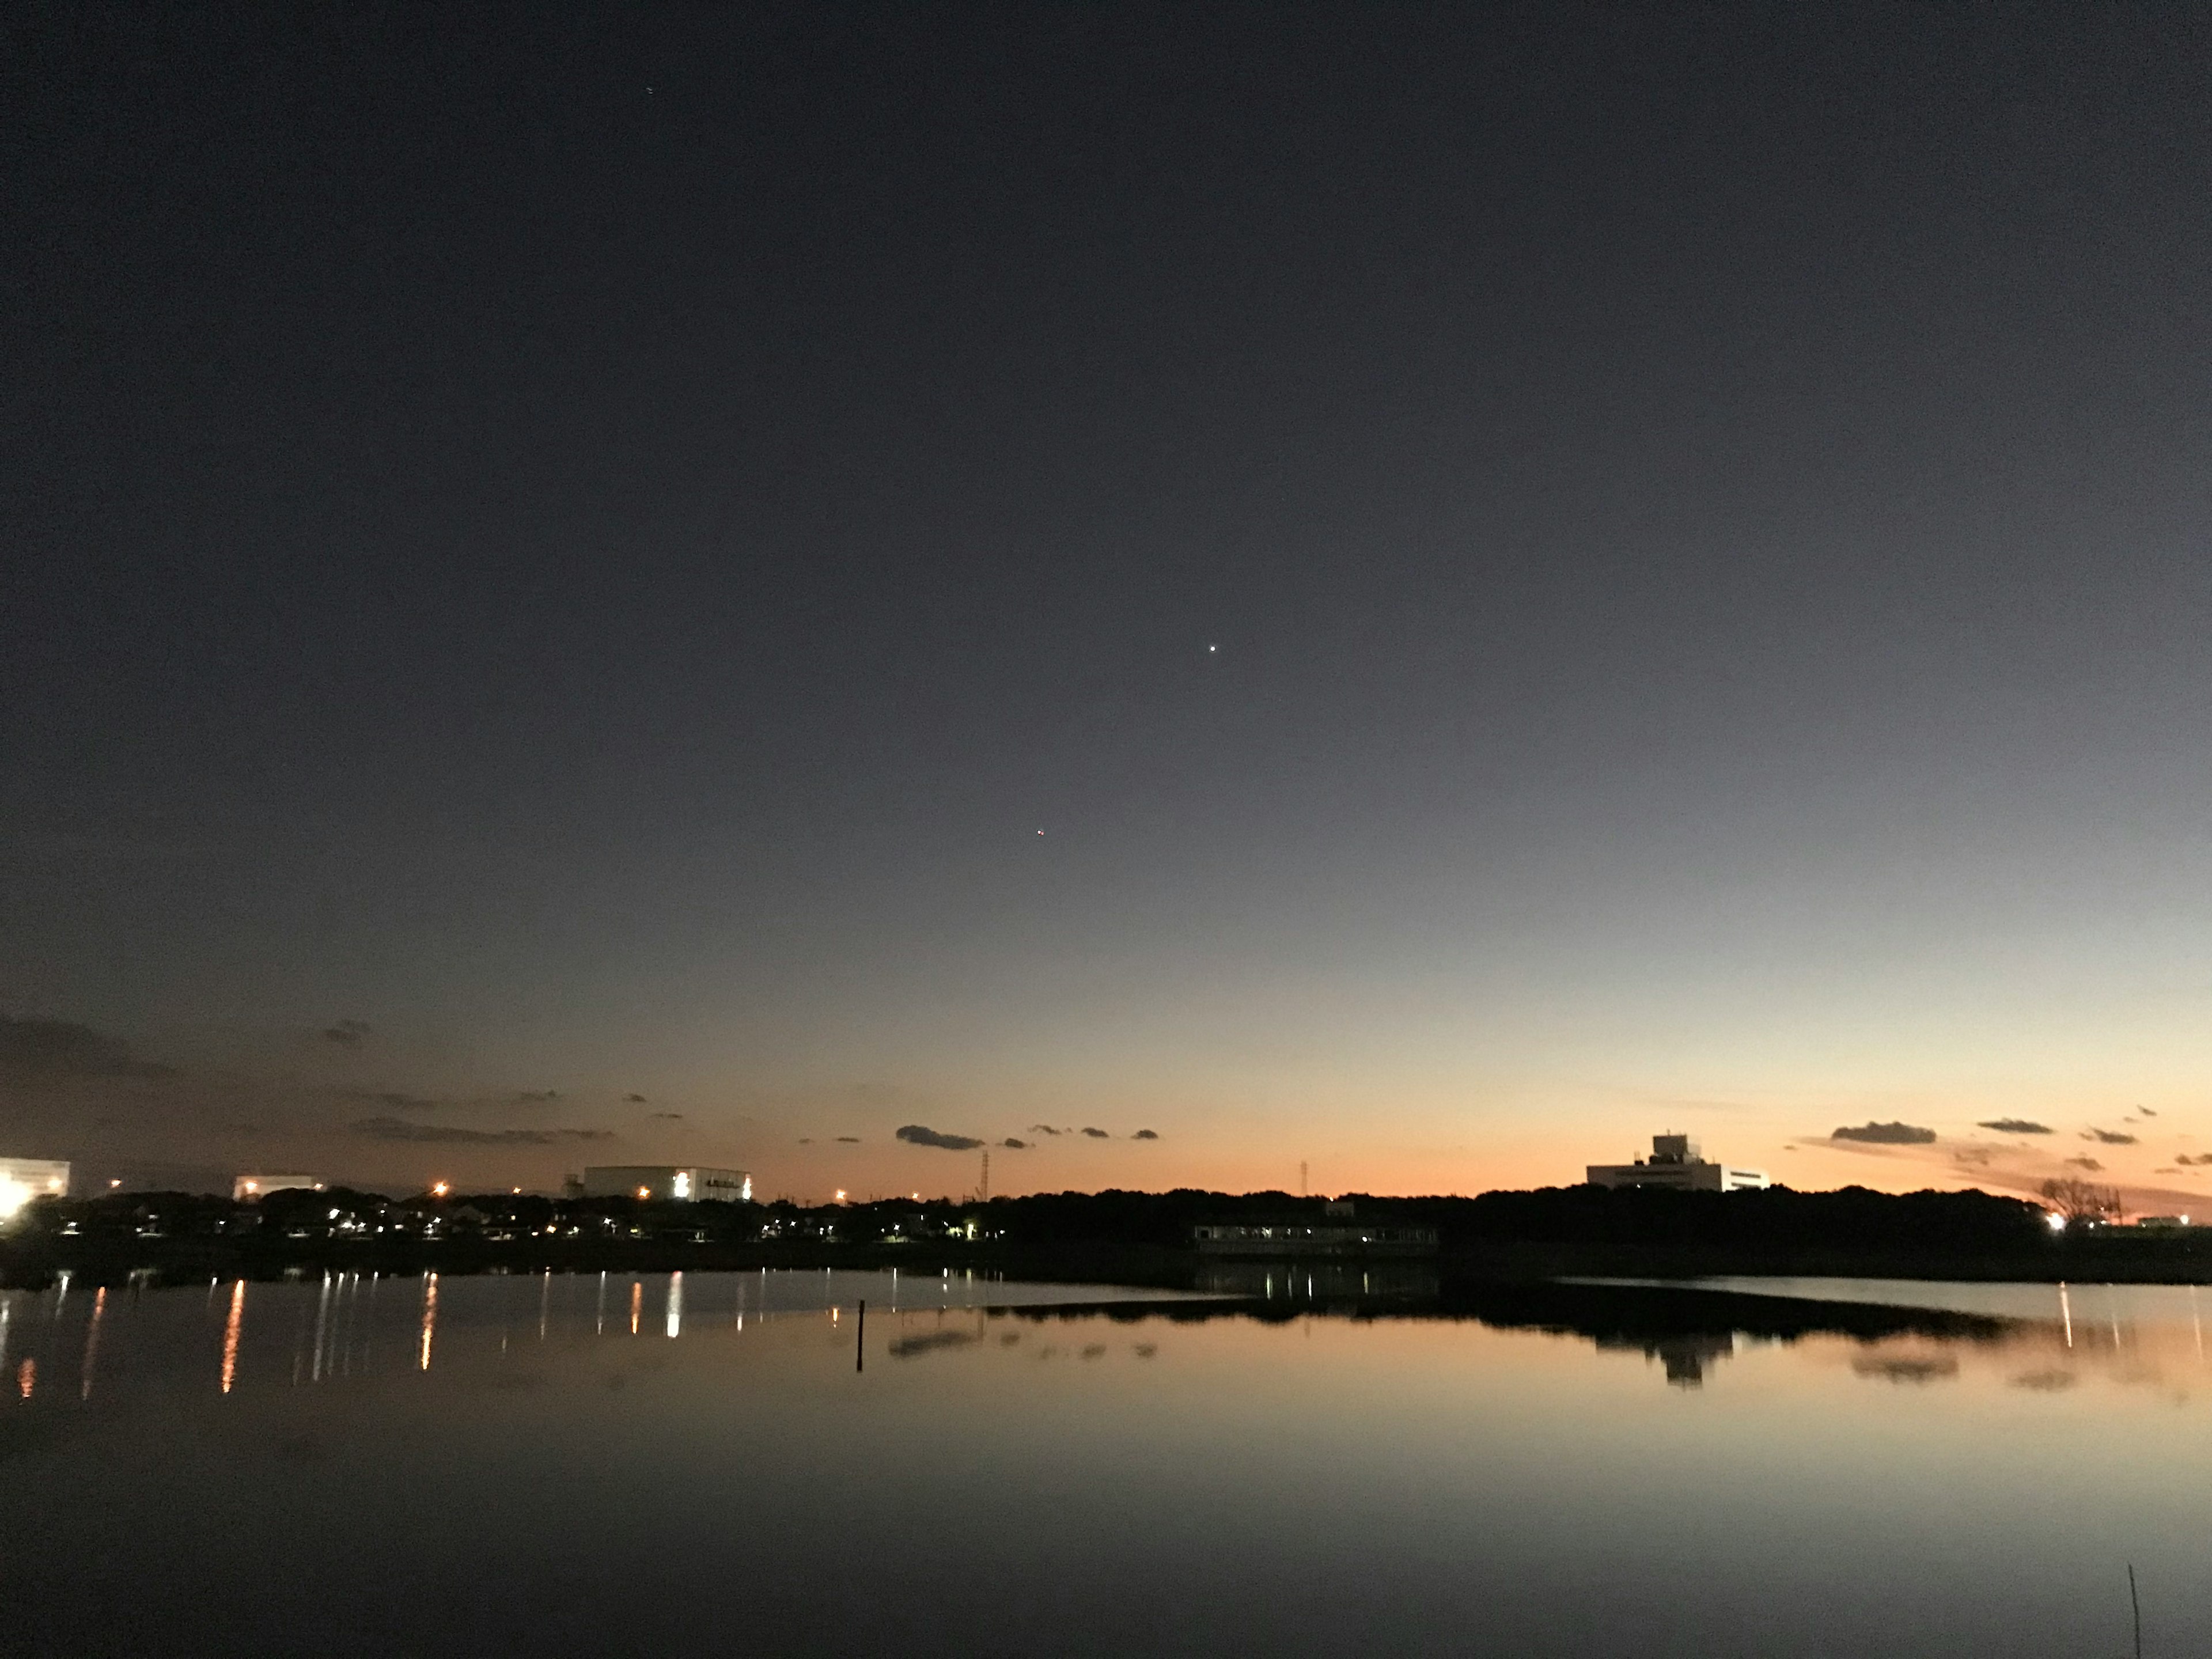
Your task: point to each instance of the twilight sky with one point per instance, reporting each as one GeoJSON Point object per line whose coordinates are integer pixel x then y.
{"type": "Point", "coordinates": [1431, 591]}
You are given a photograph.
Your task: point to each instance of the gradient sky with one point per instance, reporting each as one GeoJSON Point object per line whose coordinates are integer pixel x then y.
{"type": "Point", "coordinates": [1427, 591]}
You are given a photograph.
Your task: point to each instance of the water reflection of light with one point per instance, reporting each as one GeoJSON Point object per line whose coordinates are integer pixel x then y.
{"type": "Point", "coordinates": [636, 1303]}
{"type": "Point", "coordinates": [676, 1305]}
{"type": "Point", "coordinates": [322, 1325]}
{"type": "Point", "coordinates": [544, 1302]}
{"type": "Point", "coordinates": [429, 1316]}
{"type": "Point", "coordinates": [230, 1329]}
{"type": "Point", "coordinates": [92, 1343]}
{"type": "Point", "coordinates": [2066, 1312]}
{"type": "Point", "coordinates": [26, 1377]}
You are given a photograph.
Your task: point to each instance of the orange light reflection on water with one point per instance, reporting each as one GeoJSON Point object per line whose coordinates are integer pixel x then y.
{"type": "Point", "coordinates": [230, 1329]}
{"type": "Point", "coordinates": [429, 1316]}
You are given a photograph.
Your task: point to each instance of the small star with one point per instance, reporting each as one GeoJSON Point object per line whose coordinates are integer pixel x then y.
{"type": "Point", "coordinates": [1210, 648]}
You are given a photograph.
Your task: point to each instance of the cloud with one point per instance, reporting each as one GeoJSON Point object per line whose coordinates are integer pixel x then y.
{"type": "Point", "coordinates": [2201, 1157]}
{"type": "Point", "coordinates": [670, 1117]}
{"type": "Point", "coordinates": [537, 1096]}
{"type": "Point", "coordinates": [53, 1049]}
{"type": "Point", "coordinates": [848, 1140]}
{"type": "Point", "coordinates": [1145, 1134]}
{"type": "Point", "coordinates": [2016, 1125]}
{"type": "Point", "coordinates": [2110, 1137]}
{"type": "Point", "coordinates": [1886, 1134]}
{"type": "Point", "coordinates": [347, 1033]}
{"type": "Point", "coordinates": [1017, 1146]}
{"type": "Point", "coordinates": [393, 1128]}
{"type": "Point", "coordinates": [915, 1134]}
{"type": "Point", "coordinates": [397, 1101]}
{"type": "Point", "coordinates": [1906, 1370]}
{"type": "Point", "coordinates": [2146, 1111]}
{"type": "Point", "coordinates": [2089, 1164]}
{"type": "Point", "coordinates": [1045, 1129]}
{"type": "Point", "coordinates": [635, 1100]}
{"type": "Point", "coordinates": [1097, 1134]}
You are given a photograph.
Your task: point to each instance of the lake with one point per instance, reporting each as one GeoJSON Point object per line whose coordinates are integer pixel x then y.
{"type": "Point", "coordinates": [724, 1463]}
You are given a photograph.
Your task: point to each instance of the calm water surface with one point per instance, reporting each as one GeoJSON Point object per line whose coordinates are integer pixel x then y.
{"type": "Point", "coordinates": [693, 1464]}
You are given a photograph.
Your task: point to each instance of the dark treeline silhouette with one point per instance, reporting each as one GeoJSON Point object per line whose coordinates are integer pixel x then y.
{"type": "Point", "coordinates": [1133, 1237]}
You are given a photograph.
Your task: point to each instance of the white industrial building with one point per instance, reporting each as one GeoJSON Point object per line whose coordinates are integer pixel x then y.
{"type": "Point", "coordinates": [676, 1181]}
{"type": "Point", "coordinates": [1677, 1161]}
{"type": "Point", "coordinates": [22, 1179]}
{"type": "Point", "coordinates": [250, 1187]}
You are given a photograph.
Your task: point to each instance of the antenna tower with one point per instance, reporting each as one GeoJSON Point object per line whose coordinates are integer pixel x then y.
{"type": "Point", "coordinates": [986, 1178]}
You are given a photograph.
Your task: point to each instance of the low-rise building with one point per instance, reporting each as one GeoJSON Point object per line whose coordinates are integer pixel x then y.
{"type": "Point", "coordinates": [1303, 1238]}
{"type": "Point", "coordinates": [1676, 1160]}
{"type": "Point", "coordinates": [667, 1181]}
{"type": "Point", "coordinates": [22, 1179]}
{"type": "Point", "coordinates": [247, 1188]}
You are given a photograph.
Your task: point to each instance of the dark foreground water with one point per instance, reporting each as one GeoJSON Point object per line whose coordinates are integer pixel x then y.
{"type": "Point", "coordinates": [693, 1464]}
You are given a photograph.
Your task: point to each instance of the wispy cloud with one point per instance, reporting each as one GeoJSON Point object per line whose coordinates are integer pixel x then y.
{"type": "Point", "coordinates": [2110, 1137]}
{"type": "Point", "coordinates": [1017, 1146]}
{"type": "Point", "coordinates": [1145, 1134]}
{"type": "Point", "coordinates": [1097, 1134]}
{"type": "Point", "coordinates": [916, 1134]}
{"type": "Point", "coordinates": [2016, 1125]}
{"type": "Point", "coordinates": [54, 1050]}
{"type": "Point", "coordinates": [347, 1033]}
{"type": "Point", "coordinates": [1886, 1134]}
{"type": "Point", "coordinates": [393, 1128]}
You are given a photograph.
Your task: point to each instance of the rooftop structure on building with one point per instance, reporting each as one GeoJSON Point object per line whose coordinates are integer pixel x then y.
{"type": "Point", "coordinates": [1676, 1160]}
{"type": "Point", "coordinates": [247, 1188]}
{"type": "Point", "coordinates": [22, 1179]}
{"type": "Point", "coordinates": [666, 1180]}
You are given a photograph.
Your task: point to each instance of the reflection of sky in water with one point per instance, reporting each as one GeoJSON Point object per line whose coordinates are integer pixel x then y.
{"type": "Point", "coordinates": [574, 1465]}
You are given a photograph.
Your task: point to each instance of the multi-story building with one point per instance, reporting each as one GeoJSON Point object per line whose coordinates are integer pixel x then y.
{"type": "Point", "coordinates": [22, 1179]}
{"type": "Point", "coordinates": [1676, 1160]}
{"type": "Point", "coordinates": [676, 1181]}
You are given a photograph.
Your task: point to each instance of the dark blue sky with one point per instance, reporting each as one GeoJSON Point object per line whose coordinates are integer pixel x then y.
{"type": "Point", "coordinates": [592, 547]}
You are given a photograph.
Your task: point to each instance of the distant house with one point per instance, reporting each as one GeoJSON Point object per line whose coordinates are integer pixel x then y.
{"type": "Point", "coordinates": [247, 1188]}
{"type": "Point", "coordinates": [1303, 1238]}
{"type": "Point", "coordinates": [1677, 1161]}
{"type": "Point", "coordinates": [666, 1180]}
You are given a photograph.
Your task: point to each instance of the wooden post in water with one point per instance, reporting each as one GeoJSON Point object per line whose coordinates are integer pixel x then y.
{"type": "Point", "coordinates": [861, 1345]}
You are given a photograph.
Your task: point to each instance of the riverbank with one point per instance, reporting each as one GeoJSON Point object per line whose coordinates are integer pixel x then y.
{"type": "Point", "coordinates": [2116, 1258]}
